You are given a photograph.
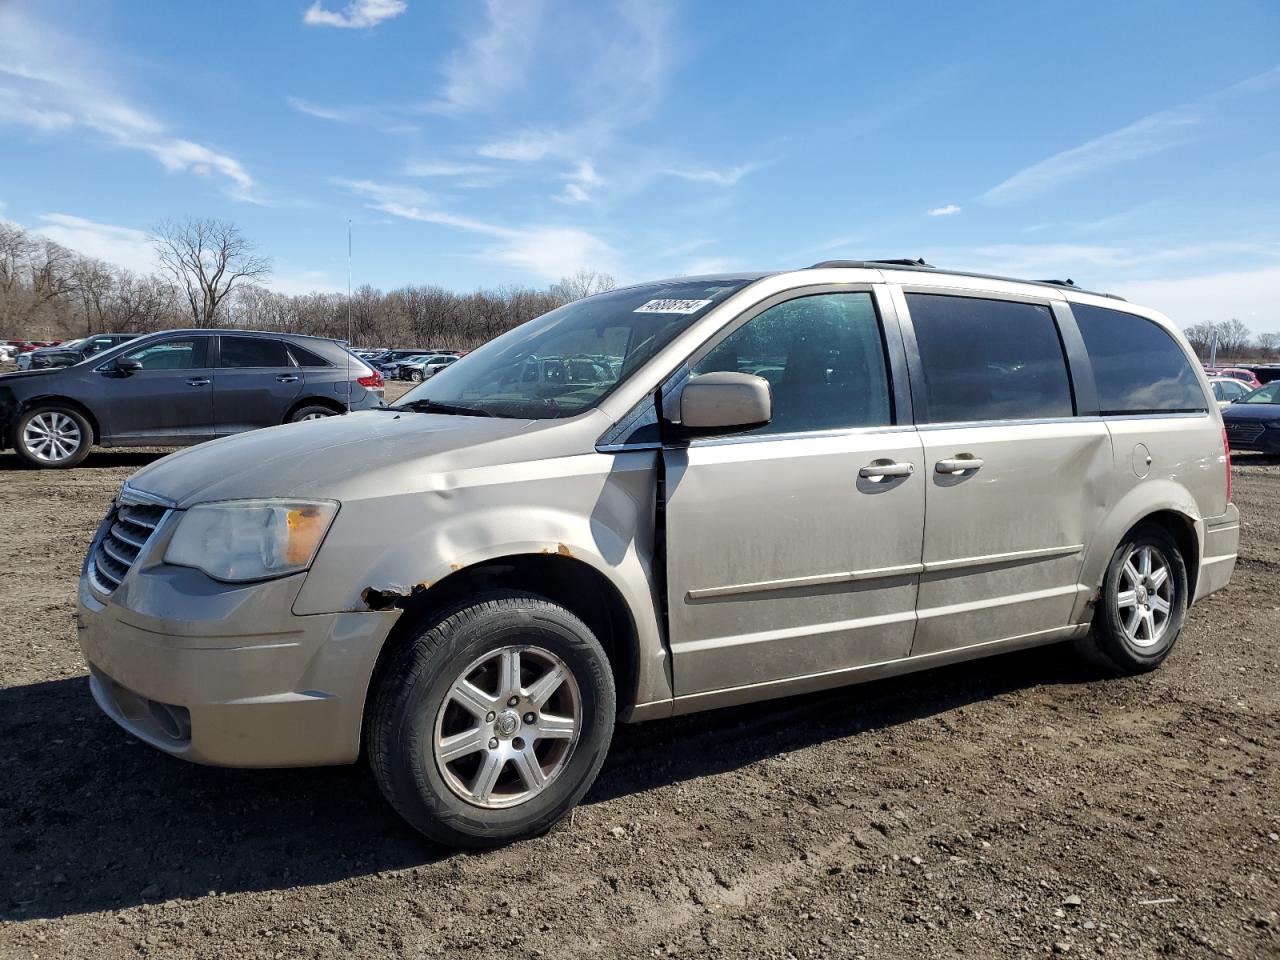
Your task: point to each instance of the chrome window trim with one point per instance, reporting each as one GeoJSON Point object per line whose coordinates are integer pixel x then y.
{"type": "Point", "coordinates": [132, 495]}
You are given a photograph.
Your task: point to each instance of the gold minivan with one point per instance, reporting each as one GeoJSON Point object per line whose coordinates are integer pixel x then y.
{"type": "Point", "coordinates": [751, 486]}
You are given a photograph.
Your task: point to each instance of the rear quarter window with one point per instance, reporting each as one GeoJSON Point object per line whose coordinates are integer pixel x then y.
{"type": "Point", "coordinates": [306, 358]}
{"type": "Point", "coordinates": [1137, 366]}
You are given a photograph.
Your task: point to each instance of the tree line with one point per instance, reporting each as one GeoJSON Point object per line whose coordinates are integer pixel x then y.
{"type": "Point", "coordinates": [210, 275]}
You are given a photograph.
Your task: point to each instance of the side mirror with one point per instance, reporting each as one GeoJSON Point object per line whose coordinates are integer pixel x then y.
{"type": "Point", "coordinates": [128, 366]}
{"type": "Point", "coordinates": [725, 402]}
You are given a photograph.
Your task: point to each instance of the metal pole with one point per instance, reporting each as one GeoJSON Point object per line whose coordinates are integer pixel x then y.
{"type": "Point", "coordinates": [350, 345]}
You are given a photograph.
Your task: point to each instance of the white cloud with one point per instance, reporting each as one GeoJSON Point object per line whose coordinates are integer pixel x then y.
{"type": "Point", "coordinates": [356, 15]}
{"type": "Point", "coordinates": [946, 211]}
{"type": "Point", "coordinates": [493, 61]}
{"type": "Point", "coordinates": [298, 282]}
{"type": "Point", "coordinates": [48, 83]}
{"type": "Point", "coordinates": [1248, 295]}
{"type": "Point", "coordinates": [705, 265]}
{"type": "Point", "coordinates": [122, 246]}
{"type": "Point", "coordinates": [444, 168]}
{"type": "Point", "coordinates": [548, 252]}
{"type": "Point", "coordinates": [337, 114]}
{"type": "Point", "coordinates": [580, 183]}
{"type": "Point", "coordinates": [721, 178]}
{"type": "Point", "coordinates": [1143, 138]}
{"type": "Point", "coordinates": [530, 146]}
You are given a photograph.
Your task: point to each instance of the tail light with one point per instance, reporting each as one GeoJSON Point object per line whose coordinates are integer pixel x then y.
{"type": "Point", "coordinates": [375, 382]}
{"type": "Point", "coordinates": [1226, 451]}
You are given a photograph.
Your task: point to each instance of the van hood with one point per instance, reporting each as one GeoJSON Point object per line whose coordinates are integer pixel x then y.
{"type": "Point", "coordinates": [360, 454]}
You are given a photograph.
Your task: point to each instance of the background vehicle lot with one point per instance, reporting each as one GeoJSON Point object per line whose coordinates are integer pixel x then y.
{"type": "Point", "coordinates": [781, 828]}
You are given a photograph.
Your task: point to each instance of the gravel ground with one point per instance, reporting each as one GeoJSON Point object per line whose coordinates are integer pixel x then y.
{"type": "Point", "coordinates": [1014, 807]}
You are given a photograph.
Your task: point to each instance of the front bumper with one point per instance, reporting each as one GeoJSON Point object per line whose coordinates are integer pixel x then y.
{"type": "Point", "coordinates": [227, 674]}
{"type": "Point", "coordinates": [1253, 435]}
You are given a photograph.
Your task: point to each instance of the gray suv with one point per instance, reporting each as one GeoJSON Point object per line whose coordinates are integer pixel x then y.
{"type": "Point", "coordinates": [177, 388]}
{"type": "Point", "coordinates": [785, 483]}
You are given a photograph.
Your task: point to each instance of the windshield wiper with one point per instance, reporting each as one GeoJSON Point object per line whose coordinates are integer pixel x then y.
{"type": "Point", "coordinates": [435, 406]}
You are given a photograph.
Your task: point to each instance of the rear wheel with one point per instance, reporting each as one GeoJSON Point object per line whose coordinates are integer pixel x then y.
{"type": "Point", "coordinates": [52, 437]}
{"type": "Point", "coordinates": [312, 412]}
{"type": "Point", "coordinates": [415, 376]}
{"type": "Point", "coordinates": [491, 723]}
{"type": "Point", "coordinates": [1142, 604]}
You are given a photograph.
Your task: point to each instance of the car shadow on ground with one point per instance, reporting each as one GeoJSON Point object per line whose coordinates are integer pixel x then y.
{"type": "Point", "coordinates": [97, 460]}
{"type": "Point", "coordinates": [94, 820]}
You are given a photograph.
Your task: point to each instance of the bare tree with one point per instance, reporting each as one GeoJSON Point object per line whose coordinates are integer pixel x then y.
{"type": "Point", "coordinates": [584, 283]}
{"type": "Point", "coordinates": [207, 259]}
{"type": "Point", "coordinates": [1269, 344]}
{"type": "Point", "coordinates": [1200, 336]}
{"type": "Point", "coordinates": [1233, 338]}
{"type": "Point", "coordinates": [94, 283]}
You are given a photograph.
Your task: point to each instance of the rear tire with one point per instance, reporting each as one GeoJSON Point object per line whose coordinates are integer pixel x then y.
{"type": "Point", "coordinates": [451, 752]}
{"type": "Point", "coordinates": [313, 411]}
{"type": "Point", "coordinates": [52, 437]}
{"type": "Point", "coordinates": [1142, 605]}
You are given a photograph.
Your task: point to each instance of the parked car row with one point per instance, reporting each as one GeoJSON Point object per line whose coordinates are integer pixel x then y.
{"type": "Point", "coordinates": [408, 364]}
{"type": "Point", "coordinates": [176, 388]}
{"type": "Point", "coordinates": [71, 352]}
{"type": "Point", "coordinates": [11, 349]}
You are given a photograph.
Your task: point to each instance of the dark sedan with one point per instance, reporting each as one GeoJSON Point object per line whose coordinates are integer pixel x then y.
{"type": "Point", "coordinates": [177, 388]}
{"type": "Point", "coordinates": [1253, 421]}
{"type": "Point", "coordinates": [66, 354]}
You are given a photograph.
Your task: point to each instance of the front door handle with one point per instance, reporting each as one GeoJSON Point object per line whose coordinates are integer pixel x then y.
{"type": "Point", "coordinates": [199, 381]}
{"type": "Point", "coordinates": [874, 471]}
{"type": "Point", "coordinates": [961, 464]}
{"type": "Point", "coordinates": [287, 378]}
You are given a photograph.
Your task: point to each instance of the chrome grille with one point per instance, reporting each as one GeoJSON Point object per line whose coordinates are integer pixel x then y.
{"type": "Point", "coordinates": [1244, 432]}
{"type": "Point", "coordinates": [131, 526]}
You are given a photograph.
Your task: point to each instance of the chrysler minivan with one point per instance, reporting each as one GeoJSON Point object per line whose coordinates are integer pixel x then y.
{"type": "Point", "coordinates": [474, 585]}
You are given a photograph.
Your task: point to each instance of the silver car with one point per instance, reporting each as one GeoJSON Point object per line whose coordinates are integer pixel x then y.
{"type": "Point", "coordinates": [473, 586]}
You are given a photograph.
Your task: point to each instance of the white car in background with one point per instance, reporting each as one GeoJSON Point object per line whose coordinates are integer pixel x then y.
{"type": "Point", "coordinates": [422, 368]}
{"type": "Point", "coordinates": [1227, 390]}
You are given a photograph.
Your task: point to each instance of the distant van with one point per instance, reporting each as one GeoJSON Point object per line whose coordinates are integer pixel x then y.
{"type": "Point", "coordinates": [766, 484]}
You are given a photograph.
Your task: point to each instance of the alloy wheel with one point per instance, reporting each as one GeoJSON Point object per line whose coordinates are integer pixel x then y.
{"type": "Point", "coordinates": [508, 726]}
{"type": "Point", "coordinates": [52, 436]}
{"type": "Point", "coordinates": [1145, 596]}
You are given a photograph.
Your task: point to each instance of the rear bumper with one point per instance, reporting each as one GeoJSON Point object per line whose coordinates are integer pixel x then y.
{"type": "Point", "coordinates": [228, 675]}
{"type": "Point", "coordinates": [1221, 545]}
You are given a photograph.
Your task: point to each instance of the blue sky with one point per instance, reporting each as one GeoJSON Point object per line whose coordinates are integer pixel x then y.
{"type": "Point", "coordinates": [1133, 146]}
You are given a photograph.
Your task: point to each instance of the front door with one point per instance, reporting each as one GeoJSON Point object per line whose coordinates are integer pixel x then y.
{"type": "Point", "coordinates": [793, 550]}
{"type": "Point", "coordinates": [170, 400]}
{"type": "Point", "coordinates": [1014, 481]}
{"type": "Point", "coordinates": [254, 385]}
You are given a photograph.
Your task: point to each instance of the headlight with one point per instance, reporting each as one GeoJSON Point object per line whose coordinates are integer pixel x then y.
{"type": "Point", "coordinates": [241, 540]}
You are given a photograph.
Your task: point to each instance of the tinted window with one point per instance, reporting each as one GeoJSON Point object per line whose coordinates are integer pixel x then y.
{"type": "Point", "coordinates": [823, 358]}
{"type": "Point", "coordinates": [254, 352]}
{"type": "Point", "coordinates": [1138, 367]}
{"type": "Point", "coordinates": [306, 358]}
{"type": "Point", "coordinates": [183, 354]}
{"type": "Point", "coordinates": [988, 360]}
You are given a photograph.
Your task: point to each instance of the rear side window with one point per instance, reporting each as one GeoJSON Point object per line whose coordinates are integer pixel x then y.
{"type": "Point", "coordinates": [254, 352]}
{"type": "Point", "coordinates": [306, 358]}
{"type": "Point", "coordinates": [823, 357]}
{"type": "Point", "coordinates": [1138, 367]}
{"type": "Point", "coordinates": [987, 360]}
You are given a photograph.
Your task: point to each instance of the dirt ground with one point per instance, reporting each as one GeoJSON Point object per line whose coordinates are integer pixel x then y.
{"type": "Point", "coordinates": [1013, 807]}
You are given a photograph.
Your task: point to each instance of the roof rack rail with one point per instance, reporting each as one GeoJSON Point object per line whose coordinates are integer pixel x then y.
{"type": "Point", "coordinates": [921, 265]}
{"type": "Point", "coordinates": [873, 263]}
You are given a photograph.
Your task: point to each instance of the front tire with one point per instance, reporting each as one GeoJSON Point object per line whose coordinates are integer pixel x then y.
{"type": "Point", "coordinates": [1142, 605]}
{"type": "Point", "coordinates": [415, 376]}
{"type": "Point", "coordinates": [52, 437]}
{"type": "Point", "coordinates": [491, 723]}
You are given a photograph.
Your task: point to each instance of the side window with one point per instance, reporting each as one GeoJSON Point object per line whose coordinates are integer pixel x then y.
{"type": "Point", "coordinates": [186, 354]}
{"type": "Point", "coordinates": [1138, 367]}
{"type": "Point", "coordinates": [823, 356]}
{"type": "Point", "coordinates": [254, 352]}
{"type": "Point", "coordinates": [1235, 390]}
{"type": "Point", "coordinates": [987, 360]}
{"type": "Point", "coordinates": [305, 358]}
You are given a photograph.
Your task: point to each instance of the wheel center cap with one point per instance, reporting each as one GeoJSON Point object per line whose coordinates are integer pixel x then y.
{"type": "Point", "coordinates": [507, 724]}
{"type": "Point", "coordinates": [1142, 594]}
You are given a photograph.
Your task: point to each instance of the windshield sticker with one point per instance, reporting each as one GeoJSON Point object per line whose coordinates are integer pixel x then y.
{"type": "Point", "coordinates": [672, 306]}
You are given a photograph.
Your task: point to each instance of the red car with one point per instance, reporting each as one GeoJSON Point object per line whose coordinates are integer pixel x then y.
{"type": "Point", "coordinates": [1247, 377]}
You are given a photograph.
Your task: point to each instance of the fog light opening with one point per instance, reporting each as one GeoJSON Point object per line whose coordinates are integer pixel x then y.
{"type": "Point", "coordinates": [174, 722]}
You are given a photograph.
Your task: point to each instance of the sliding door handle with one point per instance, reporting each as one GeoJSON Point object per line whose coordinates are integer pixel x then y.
{"type": "Point", "coordinates": [878, 470]}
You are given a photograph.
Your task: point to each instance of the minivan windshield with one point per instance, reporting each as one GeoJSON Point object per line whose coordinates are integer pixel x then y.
{"type": "Point", "coordinates": [568, 360]}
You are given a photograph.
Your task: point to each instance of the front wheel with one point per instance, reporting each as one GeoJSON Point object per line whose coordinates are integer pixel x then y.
{"type": "Point", "coordinates": [415, 376]}
{"type": "Point", "coordinates": [1142, 604]}
{"type": "Point", "coordinates": [52, 437]}
{"type": "Point", "coordinates": [492, 722]}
